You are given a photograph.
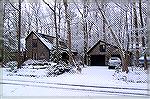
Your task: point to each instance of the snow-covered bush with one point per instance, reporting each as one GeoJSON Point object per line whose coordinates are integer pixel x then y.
{"type": "Point", "coordinates": [58, 69]}
{"type": "Point", "coordinates": [36, 64]}
{"type": "Point", "coordinates": [136, 76]}
{"type": "Point", "coordinates": [55, 55]}
{"type": "Point", "coordinates": [12, 65]}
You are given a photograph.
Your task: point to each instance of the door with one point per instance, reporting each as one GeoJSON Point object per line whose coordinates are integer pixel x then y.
{"type": "Point", "coordinates": [97, 60]}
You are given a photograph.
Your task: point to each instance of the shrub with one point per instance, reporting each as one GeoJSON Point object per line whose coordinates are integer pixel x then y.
{"type": "Point", "coordinates": [12, 65]}
{"type": "Point", "coordinates": [58, 69]}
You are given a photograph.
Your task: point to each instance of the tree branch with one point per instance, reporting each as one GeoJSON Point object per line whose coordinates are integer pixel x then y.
{"type": "Point", "coordinates": [106, 21]}
{"type": "Point", "coordinates": [78, 8]}
{"type": "Point", "coordinates": [49, 6]}
{"type": "Point", "coordinates": [121, 7]}
{"type": "Point", "coordinates": [13, 6]}
{"type": "Point", "coordinates": [22, 1]}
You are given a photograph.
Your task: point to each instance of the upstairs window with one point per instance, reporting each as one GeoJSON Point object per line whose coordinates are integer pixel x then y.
{"type": "Point", "coordinates": [34, 44]}
{"type": "Point", "coordinates": [102, 48]}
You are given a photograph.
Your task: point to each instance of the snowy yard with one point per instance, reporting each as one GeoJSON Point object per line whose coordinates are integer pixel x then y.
{"type": "Point", "coordinates": [92, 81]}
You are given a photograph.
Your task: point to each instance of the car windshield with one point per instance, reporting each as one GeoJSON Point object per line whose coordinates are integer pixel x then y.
{"type": "Point", "coordinates": [114, 58]}
{"type": "Point", "coordinates": [142, 58]}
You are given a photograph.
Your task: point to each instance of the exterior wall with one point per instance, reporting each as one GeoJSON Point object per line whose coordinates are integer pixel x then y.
{"type": "Point", "coordinates": [36, 49]}
{"type": "Point", "coordinates": [110, 50]}
{"type": "Point", "coordinates": [96, 51]}
{"type": "Point", "coordinates": [29, 47]}
{"type": "Point", "coordinates": [39, 52]}
{"type": "Point", "coordinates": [43, 52]}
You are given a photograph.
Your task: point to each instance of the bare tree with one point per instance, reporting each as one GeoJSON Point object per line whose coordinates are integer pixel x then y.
{"type": "Point", "coordinates": [122, 52]}
{"type": "Point", "coordinates": [67, 16]}
{"type": "Point", "coordinates": [136, 34]}
{"type": "Point", "coordinates": [84, 15]}
{"type": "Point", "coordinates": [36, 12]}
{"type": "Point", "coordinates": [143, 41]}
{"type": "Point", "coordinates": [18, 30]}
{"type": "Point", "coordinates": [55, 22]}
{"type": "Point", "coordinates": [104, 27]}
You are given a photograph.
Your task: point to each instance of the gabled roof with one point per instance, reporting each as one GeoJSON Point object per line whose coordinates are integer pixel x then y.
{"type": "Point", "coordinates": [98, 43]}
{"type": "Point", "coordinates": [46, 42]}
{"type": "Point", "coordinates": [43, 39]}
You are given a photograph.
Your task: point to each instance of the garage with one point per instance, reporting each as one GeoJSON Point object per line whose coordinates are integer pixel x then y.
{"type": "Point", "coordinates": [97, 60]}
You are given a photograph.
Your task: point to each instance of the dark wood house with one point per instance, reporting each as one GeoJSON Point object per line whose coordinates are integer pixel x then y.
{"type": "Point", "coordinates": [39, 46]}
{"type": "Point", "coordinates": [99, 54]}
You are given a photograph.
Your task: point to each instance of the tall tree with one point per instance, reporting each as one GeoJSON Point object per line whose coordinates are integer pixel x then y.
{"type": "Point", "coordinates": [143, 38]}
{"type": "Point", "coordinates": [68, 19]}
{"type": "Point", "coordinates": [104, 27]}
{"type": "Point", "coordinates": [85, 14]}
{"type": "Point", "coordinates": [19, 35]}
{"type": "Point", "coordinates": [18, 31]}
{"type": "Point", "coordinates": [55, 22]}
{"type": "Point", "coordinates": [122, 52]}
{"type": "Point", "coordinates": [136, 34]}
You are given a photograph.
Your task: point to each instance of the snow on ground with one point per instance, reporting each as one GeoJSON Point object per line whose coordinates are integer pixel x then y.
{"type": "Point", "coordinates": [99, 76]}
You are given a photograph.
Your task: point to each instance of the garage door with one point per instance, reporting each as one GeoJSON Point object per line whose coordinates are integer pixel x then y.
{"type": "Point", "coordinates": [97, 60]}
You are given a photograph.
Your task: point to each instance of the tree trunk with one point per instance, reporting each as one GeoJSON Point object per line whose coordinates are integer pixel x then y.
{"type": "Point", "coordinates": [143, 42]}
{"type": "Point", "coordinates": [122, 53]}
{"type": "Point", "coordinates": [55, 22]}
{"type": "Point", "coordinates": [127, 55]}
{"type": "Point", "coordinates": [59, 13]}
{"type": "Point", "coordinates": [104, 32]}
{"type": "Point", "coordinates": [19, 34]}
{"type": "Point", "coordinates": [85, 32]}
{"type": "Point", "coordinates": [125, 62]}
{"type": "Point", "coordinates": [131, 25]}
{"type": "Point", "coordinates": [57, 41]}
{"type": "Point", "coordinates": [68, 30]}
{"type": "Point", "coordinates": [136, 35]}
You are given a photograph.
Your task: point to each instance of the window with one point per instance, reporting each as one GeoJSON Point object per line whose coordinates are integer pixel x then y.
{"type": "Point", "coordinates": [35, 56]}
{"type": "Point", "coordinates": [42, 55]}
{"type": "Point", "coordinates": [34, 44]}
{"type": "Point", "coordinates": [102, 48]}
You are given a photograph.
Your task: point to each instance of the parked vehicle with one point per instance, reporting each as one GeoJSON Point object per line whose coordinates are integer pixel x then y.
{"type": "Point", "coordinates": [141, 60]}
{"type": "Point", "coordinates": [114, 62]}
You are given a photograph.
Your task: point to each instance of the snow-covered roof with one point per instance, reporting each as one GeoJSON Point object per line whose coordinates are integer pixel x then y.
{"type": "Point", "coordinates": [45, 41]}
{"type": "Point", "coordinates": [43, 38]}
{"type": "Point", "coordinates": [72, 50]}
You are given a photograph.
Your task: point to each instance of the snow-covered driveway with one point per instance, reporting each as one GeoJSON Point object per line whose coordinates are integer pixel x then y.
{"type": "Point", "coordinates": [93, 81]}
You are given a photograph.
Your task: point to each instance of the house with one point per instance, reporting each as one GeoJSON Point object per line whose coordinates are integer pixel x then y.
{"type": "Point", "coordinates": [99, 54]}
{"type": "Point", "coordinates": [39, 46]}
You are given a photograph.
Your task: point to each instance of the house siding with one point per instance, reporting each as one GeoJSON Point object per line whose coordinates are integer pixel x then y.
{"type": "Point", "coordinates": [43, 51]}
{"type": "Point", "coordinates": [38, 48]}
{"type": "Point", "coordinates": [29, 47]}
{"type": "Point", "coordinates": [110, 50]}
{"type": "Point", "coordinates": [39, 52]}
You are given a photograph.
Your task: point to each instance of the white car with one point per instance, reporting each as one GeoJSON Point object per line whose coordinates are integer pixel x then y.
{"type": "Point", "coordinates": [141, 60]}
{"type": "Point", "coordinates": [114, 62]}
